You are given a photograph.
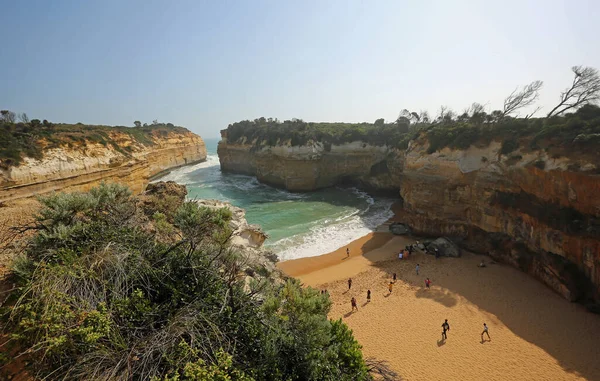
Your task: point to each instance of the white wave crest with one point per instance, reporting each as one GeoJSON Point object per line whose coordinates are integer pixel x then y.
{"type": "Point", "coordinates": [183, 175]}
{"type": "Point", "coordinates": [324, 239]}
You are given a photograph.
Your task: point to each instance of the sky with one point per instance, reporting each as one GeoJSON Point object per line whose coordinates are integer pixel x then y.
{"type": "Point", "coordinates": [205, 64]}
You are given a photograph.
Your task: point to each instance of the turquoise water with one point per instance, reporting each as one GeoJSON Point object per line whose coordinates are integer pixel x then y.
{"type": "Point", "coordinates": [298, 224]}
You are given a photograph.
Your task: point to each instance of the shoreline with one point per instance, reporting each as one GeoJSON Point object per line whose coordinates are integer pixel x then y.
{"type": "Point", "coordinates": [532, 328]}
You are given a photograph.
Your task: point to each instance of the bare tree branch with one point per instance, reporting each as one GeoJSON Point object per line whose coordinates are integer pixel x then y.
{"type": "Point", "coordinates": [584, 89]}
{"type": "Point", "coordinates": [519, 99]}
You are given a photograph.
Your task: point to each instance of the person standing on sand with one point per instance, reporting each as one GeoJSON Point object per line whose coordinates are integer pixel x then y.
{"type": "Point", "coordinates": [417, 268]}
{"type": "Point", "coordinates": [427, 282]}
{"type": "Point", "coordinates": [485, 330]}
{"type": "Point", "coordinates": [445, 327]}
{"type": "Point", "coordinates": [390, 287]}
{"type": "Point", "coordinates": [347, 252]}
{"type": "Point", "coordinates": [394, 277]}
{"type": "Point", "coordinates": [368, 296]}
{"type": "Point", "coordinates": [353, 302]}
{"type": "Point", "coordinates": [349, 283]}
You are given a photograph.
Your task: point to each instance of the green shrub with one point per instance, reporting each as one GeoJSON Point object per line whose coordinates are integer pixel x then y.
{"type": "Point", "coordinates": [98, 296]}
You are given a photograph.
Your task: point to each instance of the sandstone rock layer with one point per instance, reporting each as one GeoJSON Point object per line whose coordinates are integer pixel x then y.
{"type": "Point", "coordinates": [533, 211]}
{"type": "Point", "coordinates": [82, 167]}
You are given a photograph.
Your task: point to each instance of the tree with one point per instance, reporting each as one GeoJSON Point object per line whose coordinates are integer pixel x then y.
{"type": "Point", "coordinates": [23, 118]}
{"type": "Point", "coordinates": [155, 122]}
{"type": "Point", "coordinates": [8, 116]}
{"type": "Point", "coordinates": [585, 89]}
{"type": "Point", "coordinates": [519, 99]}
{"type": "Point", "coordinates": [35, 122]}
{"type": "Point", "coordinates": [137, 123]}
{"type": "Point", "coordinates": [46, 123]}
{"type": "Point", "coordinates": [379, 122]}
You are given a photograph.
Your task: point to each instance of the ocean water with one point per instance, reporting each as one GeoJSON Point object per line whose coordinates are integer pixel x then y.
{"type": "Point", "coordinates": [298, 224]}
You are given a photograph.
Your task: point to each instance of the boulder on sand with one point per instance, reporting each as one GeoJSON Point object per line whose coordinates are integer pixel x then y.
{"type": "Point", "coordinates": [399, 229]}
{"type": "Point", "coordinates": [445, 247]}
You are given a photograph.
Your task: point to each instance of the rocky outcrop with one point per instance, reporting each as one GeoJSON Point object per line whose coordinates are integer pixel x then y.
{"type": "Point", "coordinates": [444, 247]}
{"type": "Point", "coordinates": [537, 212]}
{"type": "Point", "coordinates": [248, 240]}
{"type": "Point", "coordinates": [315, 166]}
{"type": "Point", "coordinates": [527, 209]}
{"type": "Point", "coordinates": [84, 166]}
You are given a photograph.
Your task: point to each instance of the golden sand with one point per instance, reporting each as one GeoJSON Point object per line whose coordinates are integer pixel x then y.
{"type": "Point", "coordinates": [535, 334]}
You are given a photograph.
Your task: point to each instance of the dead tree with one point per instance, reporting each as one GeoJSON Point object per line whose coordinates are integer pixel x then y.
{"type": "Point", "coordinates": [520, 99]}
{"type": "Point", "coordinates": [585, 89]}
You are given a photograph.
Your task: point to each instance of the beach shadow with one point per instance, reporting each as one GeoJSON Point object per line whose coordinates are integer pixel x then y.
{"type": "Point", "coordinates": [441, 342]}
{"type": "Point", "coordinates": [345, 292]}
{"type": "Point", "coordinates": [387, 295]}
{"type": "Point", "coordinates": [364, 304]}
{"type": "Point", "coordinates": [348, 314]}
{"type": "Point", "coordinates": [485, 340]}
{"type": "Point", "coordinates": [515, 299]}
{"type": "Point", "coordinates": [439, 296]}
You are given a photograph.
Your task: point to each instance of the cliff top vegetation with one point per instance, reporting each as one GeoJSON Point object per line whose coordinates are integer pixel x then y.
{"type": "Point", "coordinates": [21, 137]}
{"type": "Point", "coordinates": [116, 287]}
{"type": "Point", "coordinates": [574, 123]}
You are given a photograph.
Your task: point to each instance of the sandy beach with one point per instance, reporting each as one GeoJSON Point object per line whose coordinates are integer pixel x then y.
{"type": "Point", "coordinates": [535, 334]}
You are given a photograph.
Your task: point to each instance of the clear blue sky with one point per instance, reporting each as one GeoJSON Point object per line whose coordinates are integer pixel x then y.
{"type": "Point", "coordinates": [204, 64]}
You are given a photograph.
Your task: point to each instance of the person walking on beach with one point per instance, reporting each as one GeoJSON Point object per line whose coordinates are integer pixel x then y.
{"type": "Point", "coordinates": [485, 330]}
{"type": "Point", "coordinates": [349, 283]}
{"type": "Point", "coordinates": [417, 268]}
{"type": "Point", "coordinates": [427, 282]}
{"type": "Point", "coordinates": [353, 302]}
{"type": "Point", "coordinates": [394, 276]}
{"type": "Point", "coordinates": [368, 296]}
{"type": "Point", "coordinates": [390, 287]}
{"type": "Point", "coordinates": [437, 253]}
{"type": "Point", "coordinates": [347, 252]}
{"type": "Point", "coordinates": [445, 327]}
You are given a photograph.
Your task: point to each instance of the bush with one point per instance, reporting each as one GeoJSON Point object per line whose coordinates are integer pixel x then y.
{"type": "Point", "coordinates": [98, 296]}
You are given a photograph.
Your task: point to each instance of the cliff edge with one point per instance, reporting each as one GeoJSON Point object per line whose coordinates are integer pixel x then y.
{"type": "Point", "coordinates": [79, 165]}
{"type": "Point", "coordinates": [532, 208]}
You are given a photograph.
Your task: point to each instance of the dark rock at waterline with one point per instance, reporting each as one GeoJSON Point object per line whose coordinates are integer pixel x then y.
{"type": "Point", "coordinates": [399, 229]}
{"type": "Point", "coordinates": [445, 247]}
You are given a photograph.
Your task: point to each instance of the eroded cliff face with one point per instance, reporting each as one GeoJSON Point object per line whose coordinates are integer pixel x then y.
{"type": "Point", "coordinates": [535, 212]}
{"type": "Point", "coordinates": [315, 166]}
{"type": "Point", "coordinates": [526, 209]}
{"type": "Point", "coordinates": [84, 166]}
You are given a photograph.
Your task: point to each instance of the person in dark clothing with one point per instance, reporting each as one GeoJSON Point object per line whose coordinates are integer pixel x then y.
{"type": "Point", "coordinates": [445, 327]}
{"type": "Point", "coordinates": [437, 253]}
{"type": "Point", "coordinates": [353, 302]}
{"type": "Point", "coordinates": [349, 283]}
{"type": "Point", "coordinates": [485, 330]}
{"type": "Point", "coordinates": [368, 296]}
{"type": "Point", "coordinates": [394, 277]}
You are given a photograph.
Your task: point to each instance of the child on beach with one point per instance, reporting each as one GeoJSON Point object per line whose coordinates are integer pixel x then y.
{"type": "Point", "coordinates": [427, 282]}
{"type": "Point", "coordinates": [417, 269]}
{"type": "Point", "coordinates": [390, 287]}
{"type": "Point", "coordinates": [485, 330]}
{"type": "Point", "coordinates": [353, 302]}
{"type": "Point", "coordinates": [347, 252]}
{"type": "Point", "coordinates": [368, 296]}
{"type": "Point", "coordinates": [349, 283]}
{"type": "Point", "coordinates": [394, 277]}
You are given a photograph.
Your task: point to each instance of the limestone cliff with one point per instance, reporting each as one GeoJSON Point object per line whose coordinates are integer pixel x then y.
{"type": "Point", "coordinates": [79, 167]}
{"type": "Point", "coordinates": [537, 212]}
{"type": "Point", "coordinates": [315, 166]}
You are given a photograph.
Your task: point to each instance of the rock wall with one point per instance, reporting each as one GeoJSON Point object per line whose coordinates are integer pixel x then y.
{"type": "Point", "coordinates": [315, 166]}
{"type": "Point", "coordinates": [82, 167]}
{"type": "Point", "coordinates": [536, 212]}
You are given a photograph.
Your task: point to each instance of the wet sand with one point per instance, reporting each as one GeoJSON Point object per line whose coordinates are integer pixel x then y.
{"type": "Point", "coordinates": [535, 334]}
